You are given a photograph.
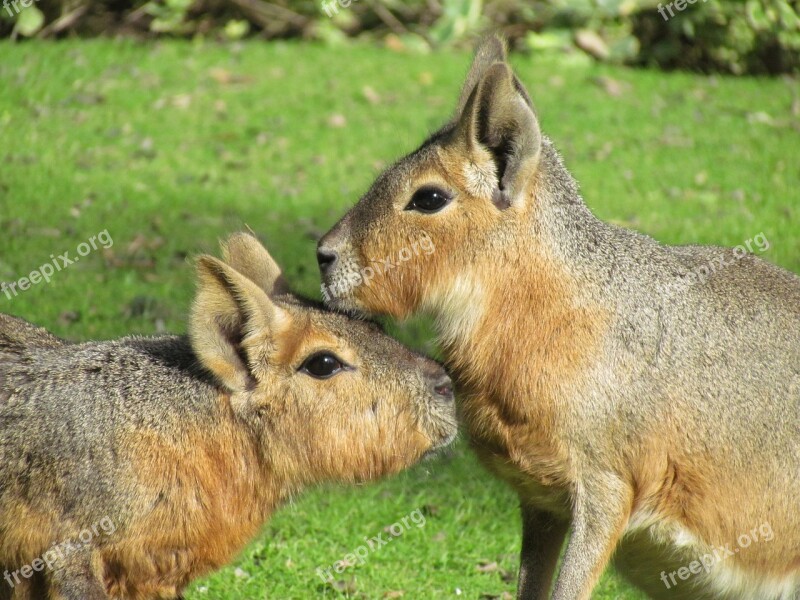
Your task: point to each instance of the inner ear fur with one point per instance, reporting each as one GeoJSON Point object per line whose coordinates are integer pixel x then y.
{"type": "Point", "coordinates": [499, 117]}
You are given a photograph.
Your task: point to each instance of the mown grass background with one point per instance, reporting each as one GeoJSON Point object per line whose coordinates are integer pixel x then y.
{"type": "Point", "coordinates": [172, 145]}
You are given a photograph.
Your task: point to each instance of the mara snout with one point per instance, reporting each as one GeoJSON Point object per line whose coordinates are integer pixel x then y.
{"type": "Point", "coordinates": [640, 412]}
{"type": "Point", "coordinates": [182, 446]}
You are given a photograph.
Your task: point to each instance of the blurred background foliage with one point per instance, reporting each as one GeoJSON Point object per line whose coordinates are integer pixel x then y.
{"type": "Point", "coordinates": [733, 36]}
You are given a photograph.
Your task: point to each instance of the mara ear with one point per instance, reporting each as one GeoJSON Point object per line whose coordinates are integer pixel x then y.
{"type": "Point", "coordinates": [247, 255]}
{"type": "Point", "coordinates": [233, 325]}
{"type": "Point", "coordinates": [491, 50]}
{"type": "Point", "coordinates": [498, 117]}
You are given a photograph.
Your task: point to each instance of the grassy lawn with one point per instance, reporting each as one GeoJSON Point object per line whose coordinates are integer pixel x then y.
{"type": "Point", "coordinates": [171, 146]}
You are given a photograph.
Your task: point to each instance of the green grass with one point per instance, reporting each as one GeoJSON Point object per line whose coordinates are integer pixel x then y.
{"type": "Point", "coordinates": [171, 146]}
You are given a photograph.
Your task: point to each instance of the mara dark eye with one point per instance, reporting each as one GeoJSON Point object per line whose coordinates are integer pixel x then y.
{"type": "Point", "coordinates": [429, 200]}
{"type": "Point", "coordinates": [322, 365]}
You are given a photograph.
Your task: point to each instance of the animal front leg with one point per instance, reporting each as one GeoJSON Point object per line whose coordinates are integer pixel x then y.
{"type": "Point", "coordinates": [75, 579]}
{"type": "Point", "coordinates": [601, 509]}
{"type": "Point", "coordinates": [542, 538]}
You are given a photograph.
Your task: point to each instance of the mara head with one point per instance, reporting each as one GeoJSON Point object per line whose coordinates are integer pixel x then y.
{"type": "Point", "coordinates": [334, 397]}
{"type": "Point", "coordinates": [438, 220]}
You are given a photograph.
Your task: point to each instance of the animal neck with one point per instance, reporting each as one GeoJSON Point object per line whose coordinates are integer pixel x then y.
{"type": "Point", "coordinates": [229, 471]}
{"type": "Point", "coordinates": [516, 329]}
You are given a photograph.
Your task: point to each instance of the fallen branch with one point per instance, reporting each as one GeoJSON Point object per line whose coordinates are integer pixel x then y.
{"type": "Point", "coordinates": [266, 14]}
{"type": "Point", "coordinates": [64, 22]}
{"type": "Point", "coordinates": [392, 22]}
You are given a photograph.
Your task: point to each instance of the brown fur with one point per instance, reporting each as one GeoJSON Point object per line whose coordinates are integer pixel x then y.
{"type": "Point", "coordinates": [643, 414]}
{"type": "Point", "coordinates": [189, 444]}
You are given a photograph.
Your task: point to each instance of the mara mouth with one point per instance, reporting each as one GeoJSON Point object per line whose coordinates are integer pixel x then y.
{"type": "Point", "coordinates": [340, 301]}
{"type": "Point", "coordinates": [439, 448]}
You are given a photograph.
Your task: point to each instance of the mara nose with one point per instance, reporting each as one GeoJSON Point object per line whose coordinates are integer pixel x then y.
{"type": "Point", "coordinates": [326, 259]}
{"type": "Point", "coordinates": [442, 387]}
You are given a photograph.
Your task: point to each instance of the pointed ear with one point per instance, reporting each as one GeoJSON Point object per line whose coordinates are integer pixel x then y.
{"type": "Point", "coordinates": [498, 117]}
{"type": "Point", "coordinates": [233, 326]}
{"type": "Point", "coordinates": [491, 50]}
{"type": "Point", "coordinates": [247, 255]}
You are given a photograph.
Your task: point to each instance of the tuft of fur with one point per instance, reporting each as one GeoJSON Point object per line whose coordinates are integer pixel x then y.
{"type": "Point", "coordinates": [650, 418]}
{"type": "Point", "coordinates": [185, 445]}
